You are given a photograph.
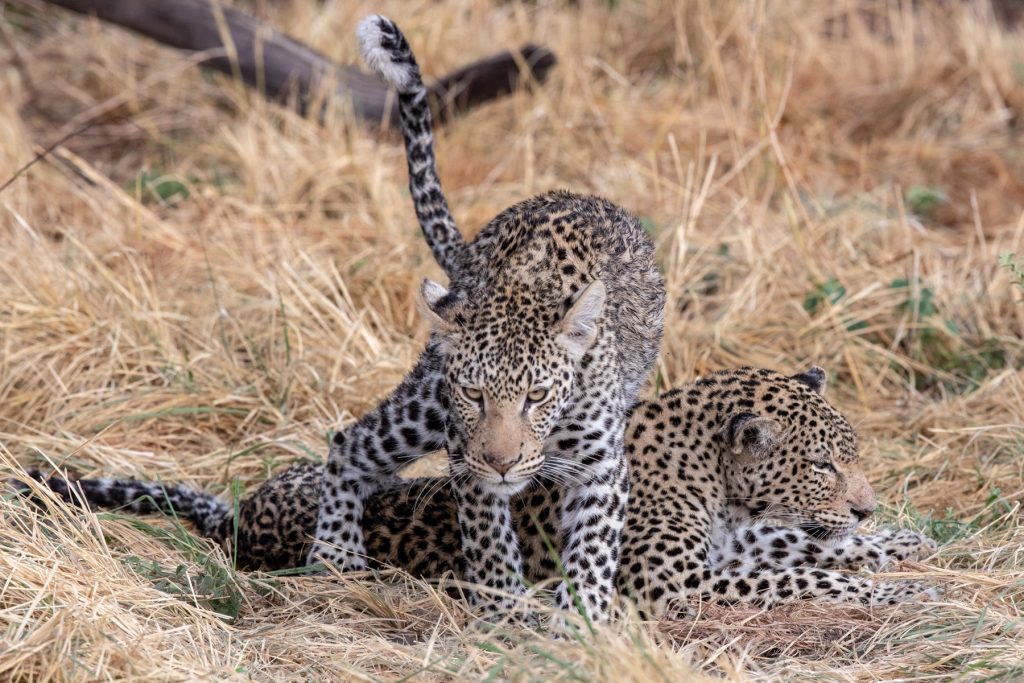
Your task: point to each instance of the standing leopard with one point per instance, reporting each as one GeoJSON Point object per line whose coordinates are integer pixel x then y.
{"type": "Point", "coordinates": [712, 465]}
{"type": "Point", "coordinates": [539, 346]}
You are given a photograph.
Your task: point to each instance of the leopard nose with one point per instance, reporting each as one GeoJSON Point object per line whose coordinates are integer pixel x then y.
{"type": "Point", "coordinates": [501, 463]}
{"type": "Point", "coordinates": [862, 513]}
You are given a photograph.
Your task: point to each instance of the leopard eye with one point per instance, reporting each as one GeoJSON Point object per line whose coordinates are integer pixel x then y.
{"type": "Point", "coordinates": [473, 394]}
{"type": "Point", "coordinates": [537, 395]}
{"type": "Point", "coordinates": [825, 465]}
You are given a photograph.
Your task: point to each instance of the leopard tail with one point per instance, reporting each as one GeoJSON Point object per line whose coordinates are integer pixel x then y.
{"type": "Point", "coordinates": [207, 512]}
{"type": "Point", "coordinates": [387, 52]}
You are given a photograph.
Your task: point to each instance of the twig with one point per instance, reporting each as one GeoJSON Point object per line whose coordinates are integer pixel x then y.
{"type": "Point", "coordinates": [43, 154]}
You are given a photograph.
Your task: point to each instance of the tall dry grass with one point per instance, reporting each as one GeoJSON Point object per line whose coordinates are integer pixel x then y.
{"type": "Point", "coordinates": [200, 285]}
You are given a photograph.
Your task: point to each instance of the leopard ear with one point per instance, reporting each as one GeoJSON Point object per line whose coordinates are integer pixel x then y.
{"type": "Point", "coordinates": [442, 309]}
{"type": "Point", "coordinates": [752, 435]}
{"type": "Point", "coordinates": [579, 326]}
{"type": "Point", "coordinates": [814, 377]}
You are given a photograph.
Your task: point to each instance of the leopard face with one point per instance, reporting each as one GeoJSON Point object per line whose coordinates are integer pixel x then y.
{"type": "Point", "coordinates": [795, 458]}
{"type": "Point", "coordinates": [511, 363]}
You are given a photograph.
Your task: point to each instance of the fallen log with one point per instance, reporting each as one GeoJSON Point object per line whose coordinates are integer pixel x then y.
{"type": "Point", "coordinates": [283, 68]}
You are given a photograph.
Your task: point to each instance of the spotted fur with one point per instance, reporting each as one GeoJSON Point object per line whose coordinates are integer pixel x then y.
{"type": "Point", "coordinates": [746, 486]}
{"type": "Point", "coordinates": [272, 525]}
{"type": "Point", "coordinates": [209, 514]}
{"type": "Point", "coordinates": [540, 344]}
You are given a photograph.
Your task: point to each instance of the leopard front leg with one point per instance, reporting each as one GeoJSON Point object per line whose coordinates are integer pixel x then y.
{"type": "Point", "coordinates": [762, 545]}
{"type": "Point", "coordinates": [490, 547]}
{"type": "Point", "coordinates": [768, 587]}
{"type": "Point", "coordinates": [366, 457]}
{"type": "Point", "coordinates": [592, 517]}
{"type": "Point", "coordinates": [879, 550]}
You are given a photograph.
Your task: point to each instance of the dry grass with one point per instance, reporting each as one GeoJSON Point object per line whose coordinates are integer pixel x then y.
{"type": "Point", "coordinates": [784, 154]}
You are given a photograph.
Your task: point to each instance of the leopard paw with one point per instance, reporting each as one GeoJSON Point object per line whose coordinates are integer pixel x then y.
{"type": "Point", "coordinates": [903, 544]}
{"type": "Point", "coordinates": [896, 592]}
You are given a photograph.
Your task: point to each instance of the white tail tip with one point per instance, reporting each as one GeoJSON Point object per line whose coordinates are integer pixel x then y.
{"type": "Point", "coordinates": [372, 32]}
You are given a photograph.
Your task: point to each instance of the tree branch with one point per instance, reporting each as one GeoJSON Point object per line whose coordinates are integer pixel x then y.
{"type": "Point", "coordinates": [283, 67]}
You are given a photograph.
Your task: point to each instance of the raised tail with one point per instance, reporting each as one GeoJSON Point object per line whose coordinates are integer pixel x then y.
{"type": "Point", "coordinates": [387, 52]}
{"type": "Point", "coordinates": [207, 512]}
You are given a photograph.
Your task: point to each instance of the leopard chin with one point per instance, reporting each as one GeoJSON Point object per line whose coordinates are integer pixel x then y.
{"type": "Point", "coordinates": [505, 488]}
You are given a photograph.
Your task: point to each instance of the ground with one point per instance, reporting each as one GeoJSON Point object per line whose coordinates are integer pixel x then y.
{"type": "Point", "coordinates": [201, 285]}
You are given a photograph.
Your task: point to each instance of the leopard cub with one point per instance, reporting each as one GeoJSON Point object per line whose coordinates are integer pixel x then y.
{"type": "Point", "coordinates": [539, 346]}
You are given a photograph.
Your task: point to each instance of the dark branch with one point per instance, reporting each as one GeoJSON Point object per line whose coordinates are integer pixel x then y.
{"type": "Point", "coordinates": [284, 67]}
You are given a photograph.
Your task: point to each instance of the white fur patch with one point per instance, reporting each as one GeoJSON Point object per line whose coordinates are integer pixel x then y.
{"type": "Point", "coordinates": [432, 292]}
{"type": "Point", "coordinates": [579, 326]}
{"type": "Point", "coordinates": [398, 76]}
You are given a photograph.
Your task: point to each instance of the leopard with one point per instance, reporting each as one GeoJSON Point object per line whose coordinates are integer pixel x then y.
{"type": "Point", "coordinates": [539, 345]}
{"type": "Point", "coordinates": [746, 486]}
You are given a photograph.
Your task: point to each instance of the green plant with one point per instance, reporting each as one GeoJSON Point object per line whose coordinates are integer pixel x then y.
{"type": "Point", "coordinates": [921, 200]}
{"type": "Point", "coordinates": [1008, 260]}
{"type": "Point", "coordinates": [156, 186]}
{"type": "Point", "coordinates": [937, 341]}
{"type": "Point", "coordinates": [831, 290]}
{"type": "Point", "coordinates": [998, 514]}
{"type": "Point", "coordinates": [216, 590]}
{"type": "Point", "coordinates": [920, 301]}
{"type": "Point", "coordinates": [211, 584]}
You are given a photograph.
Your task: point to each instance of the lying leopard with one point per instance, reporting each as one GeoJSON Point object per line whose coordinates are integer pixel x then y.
{"type": "Point", "coordinates": [539, 347]}
{"type": "Point", "coordinates": [711, 464]}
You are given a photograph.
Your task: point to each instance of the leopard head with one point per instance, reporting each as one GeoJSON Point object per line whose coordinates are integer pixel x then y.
{"type": "Point", "coordinates": [510, 365]}
{"type": "Point", "coordinates": [790, 455]}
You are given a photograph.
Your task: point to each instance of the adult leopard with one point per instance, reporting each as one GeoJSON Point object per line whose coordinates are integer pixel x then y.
{"type": "Point", "coordinates": [712, 464]}
{"type": "Point", "coordinates": [539, 346]}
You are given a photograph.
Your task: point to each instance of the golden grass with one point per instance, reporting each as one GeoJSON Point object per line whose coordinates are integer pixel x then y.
{"type": "Point", "coordinates": [778, 152]}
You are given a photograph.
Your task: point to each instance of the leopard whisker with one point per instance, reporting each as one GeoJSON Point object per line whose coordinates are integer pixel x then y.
{"type": "Point", "coordinates": [564, 472]}
{"type": "Point", "coordinates": [428, 492]}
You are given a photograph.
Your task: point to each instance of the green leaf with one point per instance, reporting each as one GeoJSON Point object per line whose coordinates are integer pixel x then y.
{"type": "Point", "coordinates": [831, 290]}
{"type": "Point", "coordinates": [922, 200]}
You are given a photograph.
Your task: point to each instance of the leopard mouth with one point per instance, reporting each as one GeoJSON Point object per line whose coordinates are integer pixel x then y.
{"type": "Point", "coordinates": [505, 487]}
{"type": "Point", "coordinates": [821, 532]}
